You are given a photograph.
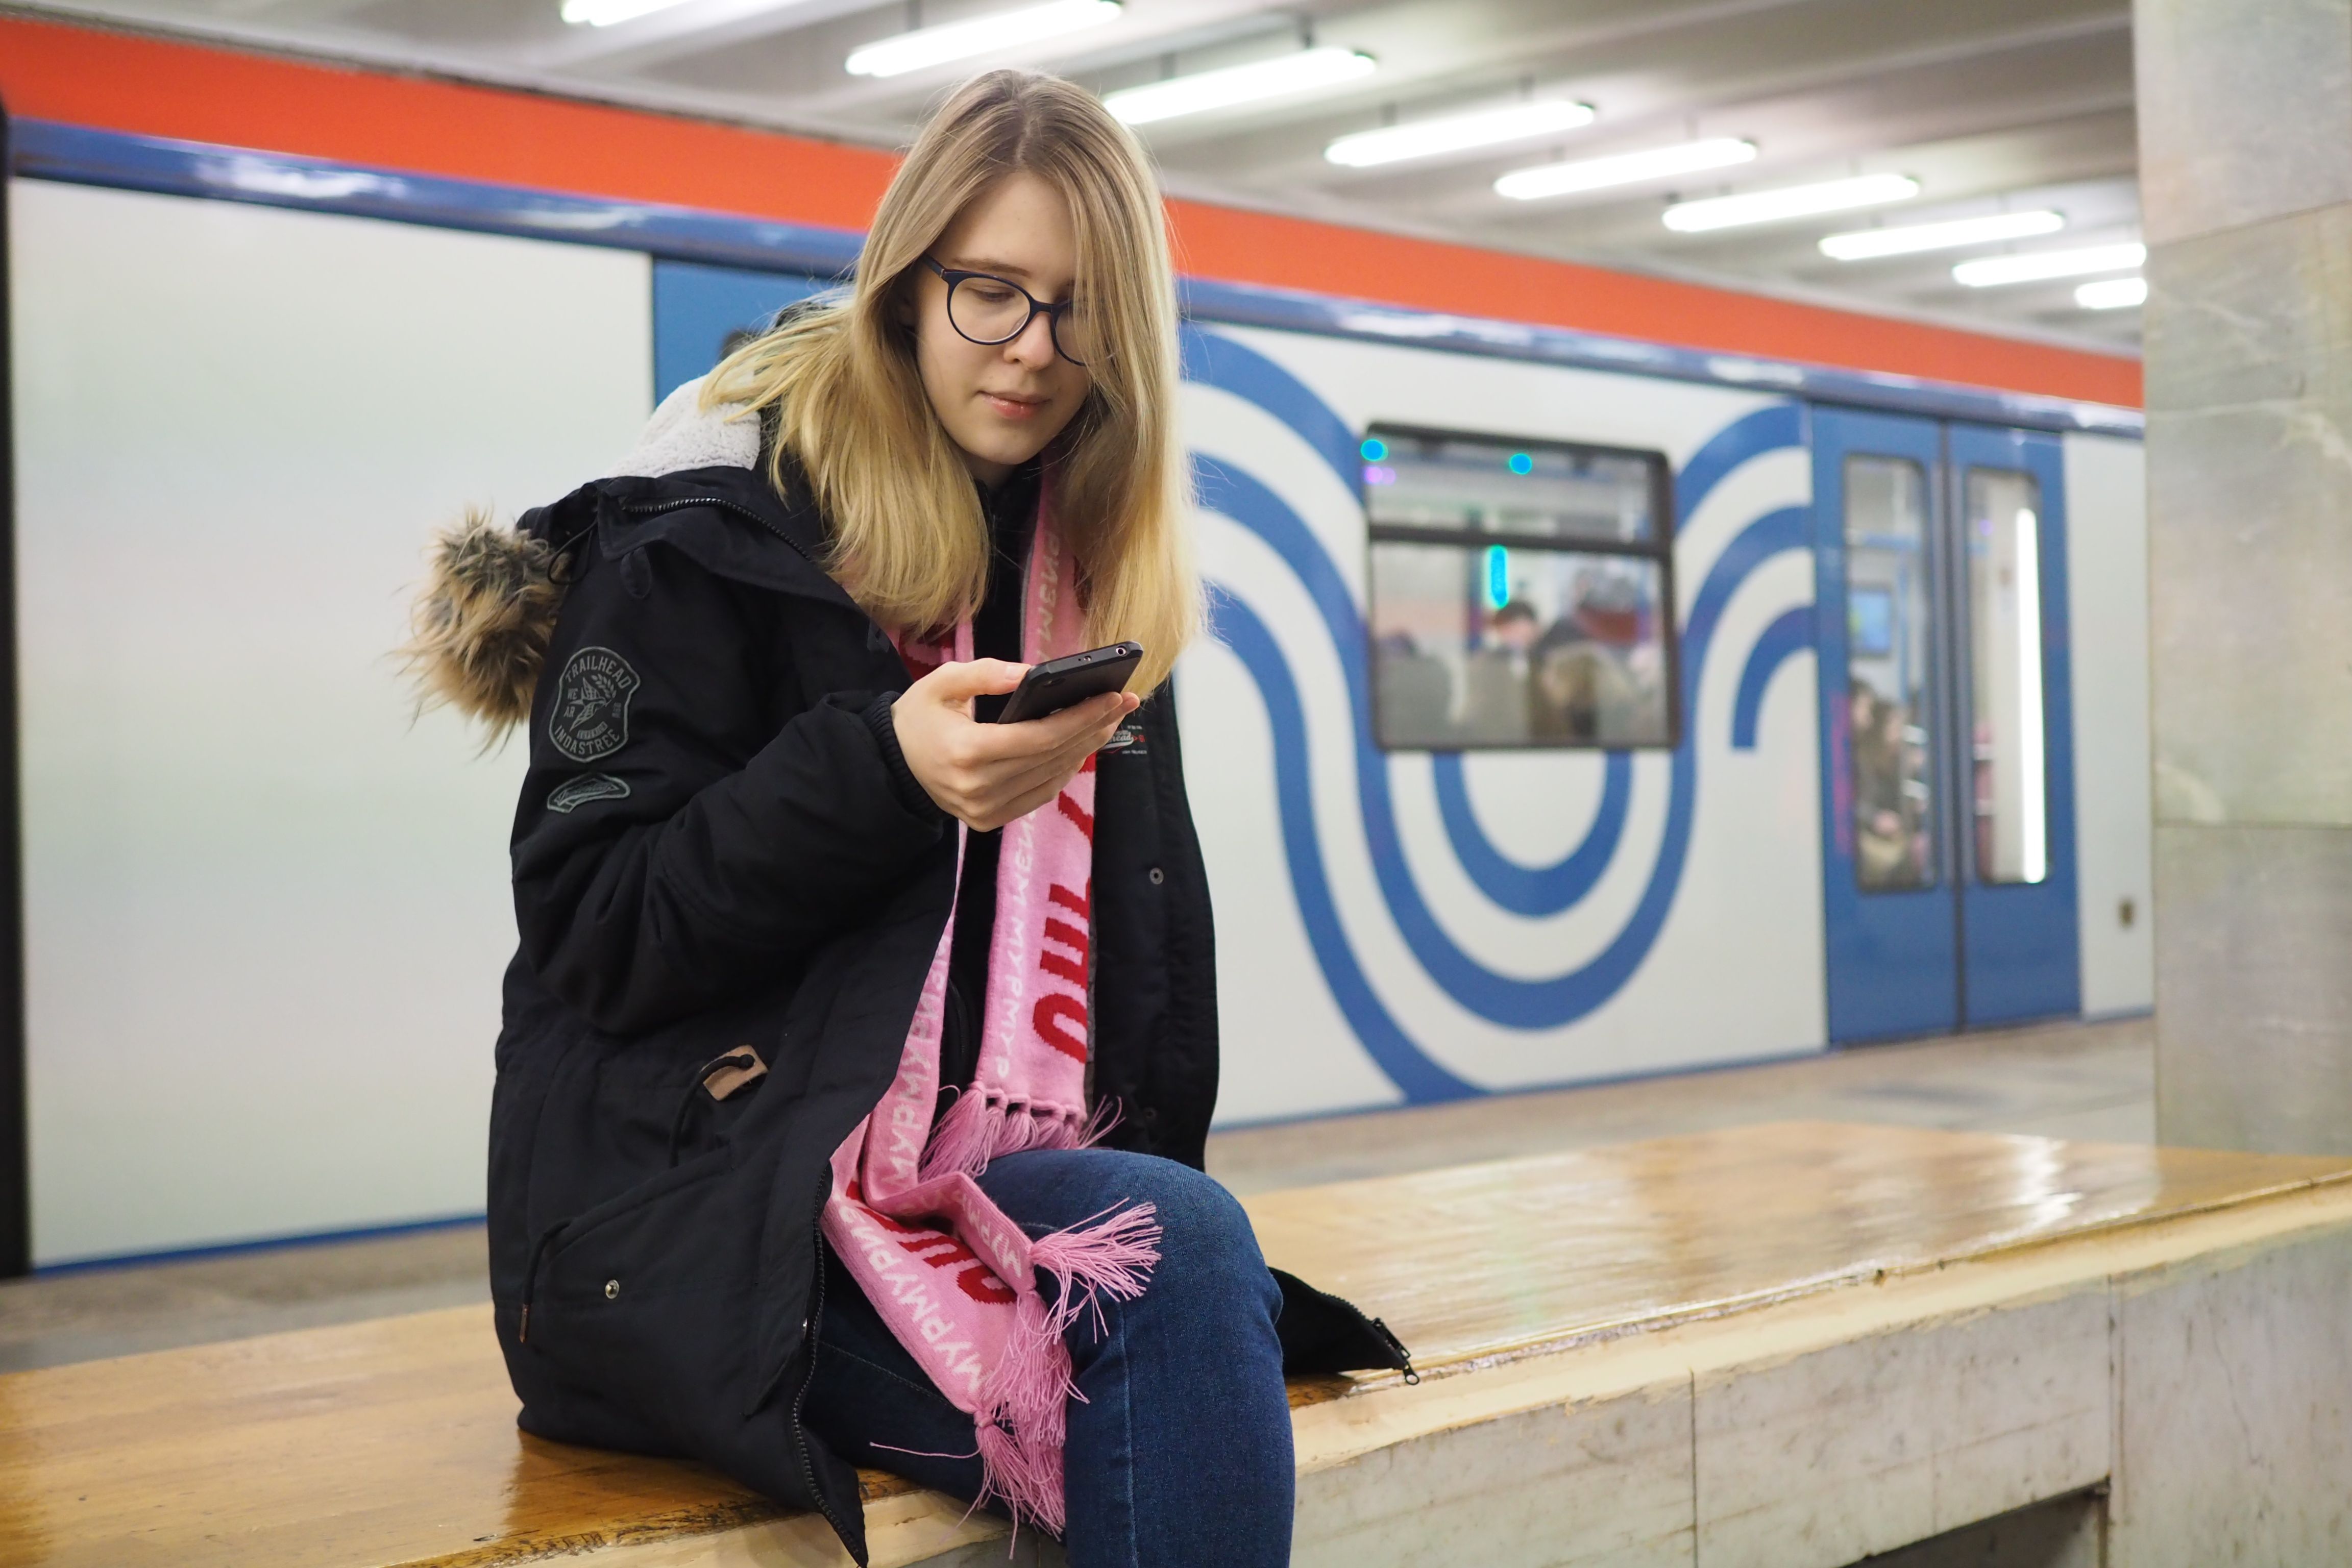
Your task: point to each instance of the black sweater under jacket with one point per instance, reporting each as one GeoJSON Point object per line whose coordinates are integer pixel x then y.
{"type": "Point", "coordinates": [718, 845]}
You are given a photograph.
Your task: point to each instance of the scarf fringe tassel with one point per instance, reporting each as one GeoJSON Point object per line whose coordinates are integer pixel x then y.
{"type": "Point", "coordinates": [1027, 1397]}
{"type": "Point", "coordinates": [981, 1126]}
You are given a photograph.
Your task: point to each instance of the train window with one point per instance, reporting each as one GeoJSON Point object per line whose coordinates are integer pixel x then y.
{"type": "Point", "coordinates": [1521, 592]}
{"type": "Point", "coordinates": [1889, 587]}
{"type": "Point", "coordinates": [2005, 674]}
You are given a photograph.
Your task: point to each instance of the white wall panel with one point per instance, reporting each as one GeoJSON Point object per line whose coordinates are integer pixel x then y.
{"type": "Point", "coordinates": [265, 915]}
{"type": "Point", "coordinates": [2107, 570]}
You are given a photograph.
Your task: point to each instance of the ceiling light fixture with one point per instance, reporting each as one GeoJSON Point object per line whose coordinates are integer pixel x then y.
{"type": "Point", "coordinates": [2036, 267]}
{"type": "Point", "coordinates": [1791, 201]}
{"type": "Point", "coordinates": [2111, 294]}
{"type": "Point", "coordinates": [1459, 132]}
{"type": "Point", "coordinates": [979, 36]}
{"type": "Point", "coordinates": [1869, 244]}
{"type": "Point", "coordinates": [1623, 168]}
{"type": "Point", "coordinates": [1992, 271]}
{"type": "Point", "coordinates": [1277, 77]}
{"type": "Point", "coordinates": [605, 13]}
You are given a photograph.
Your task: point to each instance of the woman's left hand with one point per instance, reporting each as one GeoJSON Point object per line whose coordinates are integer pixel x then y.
{"type": "Point", "coordinates": [985, 775]}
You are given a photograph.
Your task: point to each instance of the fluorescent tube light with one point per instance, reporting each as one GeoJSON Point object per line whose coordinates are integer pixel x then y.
{"type": "Point", "coordinates": [605, 13]}
{"type": "Point", "coordinates": [1869, 244]}
{"type": "Point", "coordinates": [1459, 132]}
{"type": "Point", "coordinates": [979, 36]}
{"type": "Point", "coordinates": [1990, 271]}
{"type": "Point", "coordinates": [1623, 168]}
{"type": "Point", "coordinates": [1282, 74]}
{"type": "Point", "coordinates": [1791, 201]}
{"type": "Point", "coordinates": [2111, 294]}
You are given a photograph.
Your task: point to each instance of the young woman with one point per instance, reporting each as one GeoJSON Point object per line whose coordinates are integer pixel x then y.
{"type": "Point", "coordinates": [859, 1051]}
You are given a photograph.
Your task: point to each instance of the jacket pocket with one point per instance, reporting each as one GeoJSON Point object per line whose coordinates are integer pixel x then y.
{"type": "Point", "coordinates": [646, 1298]}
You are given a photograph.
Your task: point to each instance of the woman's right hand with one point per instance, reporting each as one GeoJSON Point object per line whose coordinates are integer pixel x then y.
{"type": "Point", "coordinates": [984, 775]}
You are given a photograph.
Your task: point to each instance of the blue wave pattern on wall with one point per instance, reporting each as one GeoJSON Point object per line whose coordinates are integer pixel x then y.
{"type": "Point", "coordinates": [1533, 890]}
{"type": "Point", "coordinates": [1790, 633]}
{"type": "Point", "coordinates": [1216, 361]}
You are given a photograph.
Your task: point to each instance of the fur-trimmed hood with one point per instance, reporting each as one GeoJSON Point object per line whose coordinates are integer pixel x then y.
{"type": "Point", "coordinates": [479, 627]}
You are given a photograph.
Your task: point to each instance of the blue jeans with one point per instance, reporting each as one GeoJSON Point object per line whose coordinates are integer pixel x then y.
{"type": "Point", "coordinates": [1179, 1449]}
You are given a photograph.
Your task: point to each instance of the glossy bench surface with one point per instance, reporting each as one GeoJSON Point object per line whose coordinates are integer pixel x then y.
{"type": "Point", "coordinates": [394, 1442]}
{"type": "Point", "coordinates": [1479, 1261]}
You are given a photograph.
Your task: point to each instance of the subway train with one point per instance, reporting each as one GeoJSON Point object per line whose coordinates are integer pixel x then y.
{"type": "Point", "coordinates": [1496, 608]}
{"type": "Point", "coordinates": [1576, 707]}
{"type": "Point", "coordinates": [1564, 722]}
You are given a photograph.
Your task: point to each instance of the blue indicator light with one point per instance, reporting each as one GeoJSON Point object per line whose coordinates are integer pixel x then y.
{"type": "Point", "coordinates": [1522, 464]}
{"type": "Point", "coordinates": [1498, 576]}
{"type": "Point", "coordinates": [1373, 448]}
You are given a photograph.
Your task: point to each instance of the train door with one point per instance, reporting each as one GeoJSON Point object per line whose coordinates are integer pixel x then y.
{"type": "Point", "coordinates": [1946, 728]}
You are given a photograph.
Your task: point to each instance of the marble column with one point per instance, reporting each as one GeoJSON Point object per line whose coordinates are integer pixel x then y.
{"type": "Point", "coordinates": [2245, 135]}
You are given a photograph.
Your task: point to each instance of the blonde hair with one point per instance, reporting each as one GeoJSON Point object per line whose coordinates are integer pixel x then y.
{"type": "Point", "coordinates": [909, 541]}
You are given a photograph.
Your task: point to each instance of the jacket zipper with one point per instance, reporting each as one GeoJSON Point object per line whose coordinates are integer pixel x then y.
{"type": "Point", "coordinates": [531, 1278]}
{"type": "Point", "coordinates": [655, 508]}
{"type": "Point", "coordinates": [809, 1332]}
{"type": "Point", "coordinates": [1397, 1345]}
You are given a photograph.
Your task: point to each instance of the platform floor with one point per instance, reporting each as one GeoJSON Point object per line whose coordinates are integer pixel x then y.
{"type": "Point", "coordinates": [2094, 1082]}
{"type": "Point", "coordinates": [1784, 1346]}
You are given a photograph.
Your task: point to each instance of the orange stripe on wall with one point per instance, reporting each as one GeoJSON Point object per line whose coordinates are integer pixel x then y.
{"type": "Point", "coordinates": [1292, 253]}
{"type": "Point", "coordinates": [125, 82]}
{"type": "Point", "coordinates": [199, 93]}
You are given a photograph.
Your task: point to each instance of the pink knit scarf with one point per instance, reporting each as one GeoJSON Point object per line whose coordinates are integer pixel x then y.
{"type": "Point", "coordinates": [953, 1277]}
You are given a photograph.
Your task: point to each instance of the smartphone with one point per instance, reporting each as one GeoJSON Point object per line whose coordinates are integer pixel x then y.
{"type": "Point", "coordinates": [1056, 683]}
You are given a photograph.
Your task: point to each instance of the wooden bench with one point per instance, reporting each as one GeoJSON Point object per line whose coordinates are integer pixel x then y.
{"type": "Point", "coordinates": [1790, 1345]}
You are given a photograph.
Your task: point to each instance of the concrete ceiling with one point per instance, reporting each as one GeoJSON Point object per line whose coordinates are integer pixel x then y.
{"type": "Point", "coordinates": [1991, 105]}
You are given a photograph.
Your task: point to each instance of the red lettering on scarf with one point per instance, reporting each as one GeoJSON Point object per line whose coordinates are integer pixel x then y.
{"type": "Point", "coordinates": [922, 653]}
{"type": "Point", "coordinates": [930, 1242]}
{"type": "Point", "coordinates": [972, 1276]}
{"type": "Point", "coordinates": [979, 1284]}
{"type": "Point", "coordinates": [1053, 1014]}
{"type": "Point", "coordinates": [1079, 904]}
{"type": "Point", "coordinates": [1073, 970]}
{"type": "Point", "coordinates": [1054, 1010]}
{"type": "Point", "coordinates": [1076, 813]}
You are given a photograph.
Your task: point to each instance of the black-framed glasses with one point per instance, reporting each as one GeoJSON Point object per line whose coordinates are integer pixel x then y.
{"type": "Point", "coordinates": [987, 309]}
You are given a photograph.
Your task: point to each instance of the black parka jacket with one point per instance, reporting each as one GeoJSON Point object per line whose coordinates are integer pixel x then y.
{"type": "Point", "coordinates": [718, 846]}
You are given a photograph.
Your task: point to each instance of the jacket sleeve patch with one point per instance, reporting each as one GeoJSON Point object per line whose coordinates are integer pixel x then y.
{"type": "Point", "coordinates": [590, 717]}
{"type": "Point", "coordinates": [573, 793]}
